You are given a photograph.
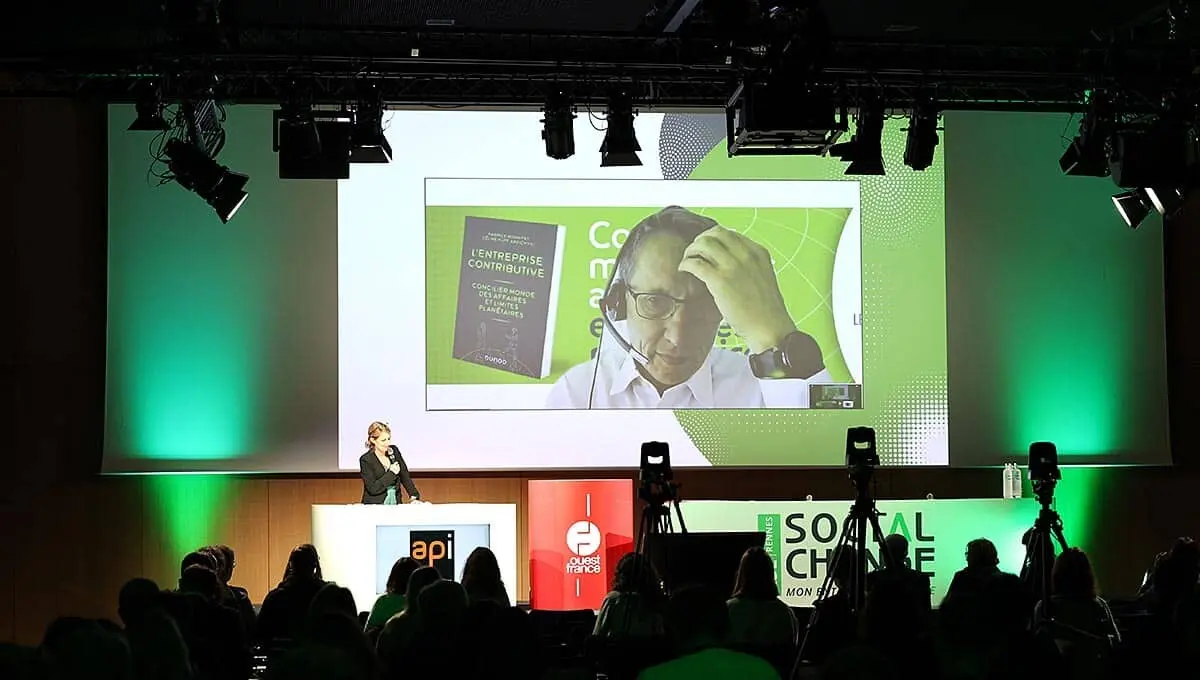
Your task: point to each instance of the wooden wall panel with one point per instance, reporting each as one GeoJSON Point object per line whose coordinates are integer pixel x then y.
{"type": "Point", "coordinates": [289, 516]}
{"type": "Point", "coordinates": [77, 551]}
{"type": "Point", "coordinates": [160, 557]}
{"type": "Point", "coordinates": [245, 531]}
{"type": "Point", "coordinates": [13, 551]}
{"type": "Point", "coordinates": [240, 522]}
{"type": "Point", "coordinates": [522, 585]}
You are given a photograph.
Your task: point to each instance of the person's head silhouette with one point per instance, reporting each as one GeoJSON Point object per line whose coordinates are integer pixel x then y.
{"type": "Point", "coordinates": [756, 576]}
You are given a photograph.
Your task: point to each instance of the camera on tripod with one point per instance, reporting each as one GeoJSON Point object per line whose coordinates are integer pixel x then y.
{"type": "Point", "coordinates": [1044, 473]}
{"type": "Point", "coordinates": [861, 455]}
{"type": "Point", "coordinates": [656, 479]}
{"type": "Point", "coordinates": [1040, 548]}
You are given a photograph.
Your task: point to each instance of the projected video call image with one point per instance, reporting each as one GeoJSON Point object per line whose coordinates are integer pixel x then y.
{"type": "Point", "coordinates": [593, 306]}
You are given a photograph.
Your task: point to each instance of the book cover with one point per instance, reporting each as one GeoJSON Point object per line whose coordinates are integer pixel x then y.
{"type": "Point", "coordinates": [508, 295]}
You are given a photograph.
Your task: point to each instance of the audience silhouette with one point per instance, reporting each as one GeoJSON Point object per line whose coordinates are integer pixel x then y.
{"type": "Point", "coordinates": [756, 614]}
{"type": "Point", "coordinates": [392, 601]}
{"type": "Point", "coordinates": [988, 627]}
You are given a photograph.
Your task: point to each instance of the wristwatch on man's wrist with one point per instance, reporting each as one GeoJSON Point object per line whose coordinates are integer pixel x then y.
{"type": "Point", "coordinates": [797, 357]}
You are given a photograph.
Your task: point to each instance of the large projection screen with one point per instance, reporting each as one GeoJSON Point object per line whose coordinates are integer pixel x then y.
{"type": "Point", "coordinates": [459, 294]}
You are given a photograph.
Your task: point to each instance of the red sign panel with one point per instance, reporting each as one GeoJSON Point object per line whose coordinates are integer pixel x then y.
{"type": "Point", "coordinates": [578, 529]}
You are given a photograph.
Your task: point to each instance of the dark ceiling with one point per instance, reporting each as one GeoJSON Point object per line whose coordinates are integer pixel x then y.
{"type": "Point", "coordinates": [959, 21]}
{"type": "Point", "coordinates": [965, 21]}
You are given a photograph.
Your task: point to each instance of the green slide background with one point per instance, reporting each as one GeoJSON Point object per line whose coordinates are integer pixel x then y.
{"type": "Point", "coordinates": [802, 242]}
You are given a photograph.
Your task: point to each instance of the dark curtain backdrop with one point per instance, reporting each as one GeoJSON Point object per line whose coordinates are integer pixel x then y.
{"type": "Point", "coordinates": [71, 538]}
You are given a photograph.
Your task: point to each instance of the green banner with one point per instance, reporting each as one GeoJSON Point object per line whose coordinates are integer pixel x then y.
{"type": "Point", "coordinates": [769, 524]}
{"type": "Point", "coordinates": [801, 535]}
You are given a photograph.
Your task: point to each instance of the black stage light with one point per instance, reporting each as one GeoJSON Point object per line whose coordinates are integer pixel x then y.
{"type": "Point", "coordinates": [313, 144]}
{"type": "Point", "coordinates": [783, 119]}
{"type": "Point", "coordinates": [1151, 157]}
{"type": "Point", "coordinates": [922, 141]}
{"type": "Point", "coordinates": [195, 171]}
{"type": "Point", "coordinates": [1133, 207]}
{"type": "Point", "coordinates": [558, 127]}
{"type": "Point", "coordinates": [620, 145]}
{"type": "Point", "coordinates": [1088, 155]}
{"type": "Point", "coordinates": [864, 151]}
{"type": "Point", "coordinates": [368, 143]}
{"type": "Point", "coordinates": [149, 113]}
{"type": "Point", "coordinates": [1166, 201]}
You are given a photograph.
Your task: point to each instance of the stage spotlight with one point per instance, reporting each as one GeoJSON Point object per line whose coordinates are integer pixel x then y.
{"type": "Point", "coordinates": [297, 125]}
{"type": "Point", "coordinates": [865, 148]}
{"type": "Point", "coordinates": [197, 172]}
{"type": "Point", "coordinates": [368, 143]}
{"type": "Point", "coordinates": [1088, 154]}
{"type": "Point", "coordinates": [1133, 206]}
{"type": "Point", "coordinates": [780, 119]}
{"type": "Point", "coordinates": [1165, 201]}
{"type": "Point", "coordinates": [558, 127]}
{"type": "Point", "coordinates": [149, 113]}
{"type": "Point", "coordinates": [923, 138]}
{"type": "Point", "coordinates": [316, 144]}
{"type": "Point", "coordinates": [1152, 157]}
{"type": "Point", "coordinates": [620, 145]}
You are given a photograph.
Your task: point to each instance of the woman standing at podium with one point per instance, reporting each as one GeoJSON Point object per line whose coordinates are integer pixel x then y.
{"type": "Point", "coordinates": [382, 468]}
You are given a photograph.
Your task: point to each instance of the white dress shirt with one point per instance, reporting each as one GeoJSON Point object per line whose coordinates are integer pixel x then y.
{"type": "Point", "coordinates": [723, 381]}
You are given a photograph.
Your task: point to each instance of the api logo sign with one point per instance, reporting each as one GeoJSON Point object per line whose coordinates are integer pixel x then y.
{"type": "Point", "coordinates": [433, 549]}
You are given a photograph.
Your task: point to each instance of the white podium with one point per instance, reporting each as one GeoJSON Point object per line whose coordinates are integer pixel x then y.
{"type": "Point", "coordinates": [359, 543]}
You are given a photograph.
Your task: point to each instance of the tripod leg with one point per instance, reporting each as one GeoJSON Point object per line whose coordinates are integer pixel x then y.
{"type": "Point", "coordinates": [859, 579]}
{"type": "Point", "coordinates": [831, 570]}
{"type": "Point", "coordinates": [679, 514]}
{"type": "Point", "coordinates": [1058, 534]}
{"type": "Point", "coordinates": [647, 526]}
{"type": "Point", "coordinates": [1039, 563]}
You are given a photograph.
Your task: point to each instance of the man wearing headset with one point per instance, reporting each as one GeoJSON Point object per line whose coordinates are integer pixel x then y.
{"type": "Point", "coordinates": [676, 277]}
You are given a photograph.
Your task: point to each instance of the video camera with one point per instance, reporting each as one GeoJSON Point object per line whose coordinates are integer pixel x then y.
{"type": "Point", "coordinates": [656, 479]}
{"type": "Point", "coordinates": [861, 456]}
{"type": "Point", "coordinates": [1044, 472]}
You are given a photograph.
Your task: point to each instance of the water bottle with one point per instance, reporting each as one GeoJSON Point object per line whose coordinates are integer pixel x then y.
{"type": "Point", "coordinates": [1008, 477]}
{"type": "Point", "coordinates": [1017, 491]}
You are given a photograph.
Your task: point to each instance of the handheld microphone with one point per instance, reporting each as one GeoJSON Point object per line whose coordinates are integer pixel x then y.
{"type": "Point", "coordinates": [391, 454]}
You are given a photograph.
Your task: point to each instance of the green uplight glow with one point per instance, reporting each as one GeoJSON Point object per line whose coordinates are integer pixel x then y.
{"type": "Point", "coordinates": [189, 508]}
{"type": "Point", "coordinates": [1076, 499]}
{"type": "Point", "coordinates": [191, 358]}
{"type": "Point", "coordinates": [1066, 392]}
{"type": "Point", "coordinates": [190, 313]}
{"type": "Point", "coordinates": [1061, 303]}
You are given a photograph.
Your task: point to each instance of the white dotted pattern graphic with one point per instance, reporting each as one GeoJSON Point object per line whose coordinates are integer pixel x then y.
{"type": "Point", "coordinates": [915, 423]}
{"type": "Point", "coordinates": [684, 141]}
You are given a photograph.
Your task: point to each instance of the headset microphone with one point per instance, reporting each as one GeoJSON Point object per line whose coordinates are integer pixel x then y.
{"type": "Point", "coordinates": [611, 307]}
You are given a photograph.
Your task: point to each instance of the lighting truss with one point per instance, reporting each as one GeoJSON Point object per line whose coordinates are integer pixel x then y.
{"type": "Point", "coordinates": [413, 68]}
